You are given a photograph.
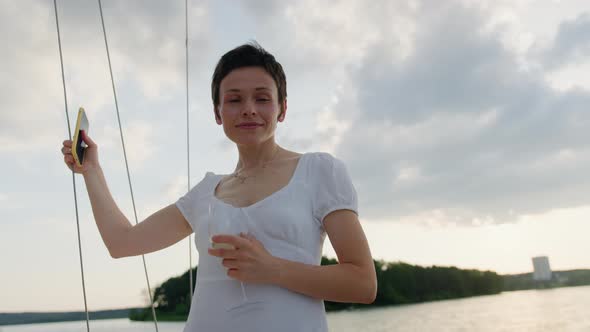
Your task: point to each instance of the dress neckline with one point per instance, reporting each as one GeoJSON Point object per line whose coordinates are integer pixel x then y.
{"type": "Point", "coordinates": [261, 201]}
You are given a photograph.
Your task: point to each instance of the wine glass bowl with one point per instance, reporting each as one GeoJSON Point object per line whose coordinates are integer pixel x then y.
{"type": "Point", "coordinates": [221, 221]}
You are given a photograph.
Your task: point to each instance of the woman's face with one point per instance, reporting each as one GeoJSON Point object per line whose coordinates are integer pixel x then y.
{"type": "Point", "coordinates": [249, 95]}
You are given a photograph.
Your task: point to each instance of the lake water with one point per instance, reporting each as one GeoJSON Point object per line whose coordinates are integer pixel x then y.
{"type": "Point", "coordinates": [561, 309]}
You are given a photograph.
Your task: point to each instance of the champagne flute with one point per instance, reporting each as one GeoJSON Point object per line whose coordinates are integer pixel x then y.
{"type": "Point", "coordinates": [221, 222]}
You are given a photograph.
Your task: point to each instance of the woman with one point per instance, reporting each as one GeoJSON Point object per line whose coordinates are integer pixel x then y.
{"type": "Point", "coordinates": [288, 202]}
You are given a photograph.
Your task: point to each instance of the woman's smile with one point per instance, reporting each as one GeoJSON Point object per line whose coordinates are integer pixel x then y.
{"type": "Point", "coordinates": [249, 125]}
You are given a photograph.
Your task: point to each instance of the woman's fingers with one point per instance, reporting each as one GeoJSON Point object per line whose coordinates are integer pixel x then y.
{"type": "Point", "coordinates": [234, 240]}
{"type": "Point", "coordinates": [231, 263]}
{"type": "Point", "coordinates": [67, 147]}
{"type": "Point", "coordinates": [69, 161]}
{"type": "Point", "coordinates": [66, 150]}
{"type": "Point", "coordinates": [88, 140]}
{"type": "Point", "coordinates": [69, 164]}
{"type": "Point", "coordinates": [225, 253]}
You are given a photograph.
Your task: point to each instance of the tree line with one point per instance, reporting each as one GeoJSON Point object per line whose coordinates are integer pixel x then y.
{"type": "Point", "coordinates": [398, 283]}
{"type": "Point", "coordinates": [525, 281]}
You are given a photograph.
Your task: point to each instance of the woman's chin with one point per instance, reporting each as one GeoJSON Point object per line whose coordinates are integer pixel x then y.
{"type": "Point", "coordinates": [248, 141]}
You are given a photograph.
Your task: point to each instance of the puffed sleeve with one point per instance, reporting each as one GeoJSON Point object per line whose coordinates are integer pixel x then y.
{"type": "Point", "coordinates": [188, 204]}
{"type": "Point", "coordinates": [333, 188]}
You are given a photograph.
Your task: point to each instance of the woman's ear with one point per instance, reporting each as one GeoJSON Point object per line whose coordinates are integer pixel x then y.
{"type": "Point", "coordinates": [217, 115]}
{"type": "Point", "coordinates": [283, 113]}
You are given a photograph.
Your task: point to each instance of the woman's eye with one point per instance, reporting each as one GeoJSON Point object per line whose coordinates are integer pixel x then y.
{"type": "Point", "coordinates": [234, 100]}
{"type": "Point", "coordinates": [262, 99]}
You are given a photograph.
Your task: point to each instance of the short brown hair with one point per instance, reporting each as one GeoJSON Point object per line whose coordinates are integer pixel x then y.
{"type": "Point", "coordinates": [248, 55]}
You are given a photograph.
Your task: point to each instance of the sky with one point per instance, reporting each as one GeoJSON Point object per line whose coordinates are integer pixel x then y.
{"type": "Point", "coordinates": [463, 124]}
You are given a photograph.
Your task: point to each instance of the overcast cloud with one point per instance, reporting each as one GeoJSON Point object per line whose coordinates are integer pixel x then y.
{"type": "Point", "coordinates": [454, 113]}
{"type": "Point", "coordinates": [463, 127]}
{"type": "Point", "coordinates": [437, 113]}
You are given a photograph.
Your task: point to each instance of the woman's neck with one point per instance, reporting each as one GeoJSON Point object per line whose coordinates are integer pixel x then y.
{"type": "Point", "coordinates": [256, 156]}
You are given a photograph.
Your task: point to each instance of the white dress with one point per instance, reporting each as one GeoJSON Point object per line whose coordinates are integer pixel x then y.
{"type": "Point", "coordinates": [289, 225]}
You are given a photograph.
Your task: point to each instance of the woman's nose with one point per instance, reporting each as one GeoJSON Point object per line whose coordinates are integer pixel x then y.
{"type": "Point", "coordinates": [249, 109]}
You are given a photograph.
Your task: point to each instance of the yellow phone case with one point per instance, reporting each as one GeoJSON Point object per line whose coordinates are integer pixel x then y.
{"type": "Point", "coordinates": [78, 145]}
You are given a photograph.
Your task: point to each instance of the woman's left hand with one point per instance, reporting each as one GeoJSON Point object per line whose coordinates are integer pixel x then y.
{"type": "Point", "coordinates": [249, 261]}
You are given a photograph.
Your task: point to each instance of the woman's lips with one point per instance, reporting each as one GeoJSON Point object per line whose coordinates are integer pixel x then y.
{"type": "Point", "coordinates": [249, 126]}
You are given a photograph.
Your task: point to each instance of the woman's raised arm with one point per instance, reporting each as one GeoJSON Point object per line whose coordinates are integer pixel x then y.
{"type": "Point", "coordinates": [160, 230]}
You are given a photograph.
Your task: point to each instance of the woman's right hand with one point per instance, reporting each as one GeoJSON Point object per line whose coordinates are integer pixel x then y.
{"type": "Point", "coordinates": [90, 155]}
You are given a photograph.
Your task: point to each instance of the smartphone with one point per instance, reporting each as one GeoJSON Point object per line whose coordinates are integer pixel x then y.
{"type": "Point", "coordinates": [78, 146]}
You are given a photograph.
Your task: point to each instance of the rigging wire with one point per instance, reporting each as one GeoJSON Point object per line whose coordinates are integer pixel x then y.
{"type": "Point", "coordinates": [188, 158]}
{"type": "Point", "coordinates": [63, 79]}
{"type": "Point", "coordinates": [125, 156]}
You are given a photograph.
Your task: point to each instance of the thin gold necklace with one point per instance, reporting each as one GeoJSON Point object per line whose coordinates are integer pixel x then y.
{"type": "Point", "coordinates": [243, 178]}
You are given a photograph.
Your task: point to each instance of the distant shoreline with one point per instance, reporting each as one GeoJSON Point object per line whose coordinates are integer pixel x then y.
{"type": "Point", "coordinates": [516, 282]}
{"type": "Point", "coordinates": [20, 318]}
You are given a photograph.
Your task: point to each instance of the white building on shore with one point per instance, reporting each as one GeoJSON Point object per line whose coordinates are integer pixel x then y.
{"type": "Point", "coordinates": [542, 270]}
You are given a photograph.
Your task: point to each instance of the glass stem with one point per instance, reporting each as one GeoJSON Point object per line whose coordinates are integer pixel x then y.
{"type": "Point", "coordinates": [244, 292]}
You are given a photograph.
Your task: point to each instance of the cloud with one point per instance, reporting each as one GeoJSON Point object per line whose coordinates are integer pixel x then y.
{"type": "Point", "coordinates": [565, 59]}
{"type": "Point", "coordinates": [441, 112]}
{"type": "Point", "coordinates": [29, 90]}
{"type": "Point", "coordinates": [459, 128]}
{"type": "Point", "coordinates": [147, 48]}
{"type": "Point", "coordinates": [330, 124]}
{"type": "Point", "coordinates": [290, 141]}
{"type": "Point", "coordinates": [433, 110]}
{"type": "Point", "coordinates": [329, 37]}
{"type": "Point", "coordinates": [571, 43]}
{"type": "Point", "coordinates": [139, 139]}
{"type": "Point", "coordinates": [177, 187]}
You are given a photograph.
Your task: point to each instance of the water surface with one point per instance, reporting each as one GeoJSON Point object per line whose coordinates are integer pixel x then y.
{"type": "Point", "coordinates": [560, 309]}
